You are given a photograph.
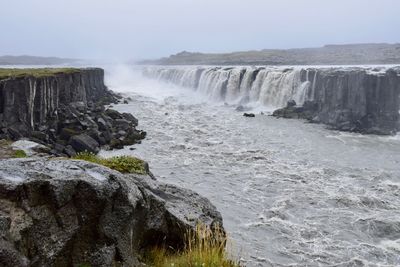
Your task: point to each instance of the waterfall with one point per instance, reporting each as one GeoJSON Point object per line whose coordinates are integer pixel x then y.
{"type": "Point", "coordinates": [271, 87]}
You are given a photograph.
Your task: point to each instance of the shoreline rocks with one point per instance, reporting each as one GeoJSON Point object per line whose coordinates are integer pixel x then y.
{"type": "Point", "coordinates": [56, 212]}
{"type": "Point", "coordinates": [66, 112]}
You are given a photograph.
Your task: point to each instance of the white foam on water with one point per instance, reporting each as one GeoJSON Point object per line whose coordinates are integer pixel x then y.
{"type": "Point", "coordinates": [291, 194]}
{"type": "Point", "coordinates": [391, 244]}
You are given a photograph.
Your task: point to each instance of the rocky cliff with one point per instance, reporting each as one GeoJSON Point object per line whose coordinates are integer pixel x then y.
{"type": "Point", "coordinates": [352, 100]}
{"type": "Point", "coordinates": [33, 100]}
{"type": "Point", "coordinates": [63, 108]}
{"type": "Point", "coordinates": [362, 99]}
{"type": "Point", "coordinates": [73, 213]}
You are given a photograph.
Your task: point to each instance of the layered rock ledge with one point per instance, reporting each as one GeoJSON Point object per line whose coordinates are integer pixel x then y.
{"type": "Point", "coordinates": [353, 100]}
{"type": "Point", "coordinates": [64, 109]}
{"type": "Point", "coordinates": [73, 213]}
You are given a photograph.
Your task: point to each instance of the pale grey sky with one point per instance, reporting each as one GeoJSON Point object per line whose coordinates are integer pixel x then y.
{"type": "Point", "coordinates": [120, 29]}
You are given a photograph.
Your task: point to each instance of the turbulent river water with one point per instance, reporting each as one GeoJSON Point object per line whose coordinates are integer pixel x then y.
{"type": "Point", "coordinates": [290, 193]}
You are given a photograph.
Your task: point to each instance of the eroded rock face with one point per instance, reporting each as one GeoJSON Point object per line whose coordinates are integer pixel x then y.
{"type": "Point", "coordinates": [66, 213]}
{"type": "Point", "coordinates": [52, 110]}
{"type": "Point", "coordinates": [33, 101]}
{"type": "Point", "coordinates": [356, 100]}
{"type": "Point", "coordinates": [350, 100]}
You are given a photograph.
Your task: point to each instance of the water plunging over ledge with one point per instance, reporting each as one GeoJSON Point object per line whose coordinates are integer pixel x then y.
{"type": "Point", "coordinates": [290, 193]}
{"type": "Point", "coordinates": [363, 99]}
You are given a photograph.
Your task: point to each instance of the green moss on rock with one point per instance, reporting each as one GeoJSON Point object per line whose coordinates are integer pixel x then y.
{"type": "Point", "coordinates": [19, 154]}
{"type": "Point", "coordinates": [123, 164]}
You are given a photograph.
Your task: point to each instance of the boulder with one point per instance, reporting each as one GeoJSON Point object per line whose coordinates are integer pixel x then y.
{"type": "Point", "coordinates": [121, 124]}
{"type": "Point", "coordinates": [74, 213]}
{"type": "Point", "coordinates": [131, 118]}
{"type": "Point", "coordinates": [308, 111]}
{"type": "Point", "coordinates": [84, 142]}
{"type": "Point", "coordinates": [113, 114]}
{"type": "Point", "coordinates": [70, 151]}
{"type": "Point", "coordinates": [250, 115]}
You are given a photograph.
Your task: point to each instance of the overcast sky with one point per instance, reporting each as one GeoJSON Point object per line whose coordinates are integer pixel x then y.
{"type": "Point", "coordinates": [120, 29]}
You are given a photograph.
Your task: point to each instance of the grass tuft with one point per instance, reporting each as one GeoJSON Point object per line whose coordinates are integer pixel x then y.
{"type": "Point", "coordinates": [19, 154]}
{"type": "Point", "coordinates": [124, 164]}
{"type": "Point", "coordinates": [204, 247]}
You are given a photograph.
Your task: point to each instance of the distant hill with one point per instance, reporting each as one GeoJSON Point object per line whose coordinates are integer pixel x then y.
{"type": "Point", "coordinates": [32, 60]}
{"type": "Point", "coordinates": [350, 54]}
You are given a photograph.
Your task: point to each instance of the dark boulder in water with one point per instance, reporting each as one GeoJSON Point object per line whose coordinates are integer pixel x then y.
{"type": "Point", "coordinates": [291, 111]}
{"type": "Point", "coordinates": [249, 115]}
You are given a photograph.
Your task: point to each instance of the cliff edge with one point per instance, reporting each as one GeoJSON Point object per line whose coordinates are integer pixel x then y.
{"type": "Point", "coordinates": [64, 109]}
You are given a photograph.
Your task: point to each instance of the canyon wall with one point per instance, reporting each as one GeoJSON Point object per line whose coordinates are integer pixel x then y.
{"type": "Point", "coordinates": [32, 101]}
{"type": "Point", "coordinates": [64, 110]}
{"type": "Point", "coordinates": [346, 98]}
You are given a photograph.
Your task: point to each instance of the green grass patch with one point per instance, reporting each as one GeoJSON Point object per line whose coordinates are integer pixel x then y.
{"type": "Point", "coordinates": [124, 164]}
{"type": "Point", "coordinates": [203, 248]}
{"type": "Point", "coordinates": [41, 72]}
{"type": "Point", "coordinates": [19, 154]}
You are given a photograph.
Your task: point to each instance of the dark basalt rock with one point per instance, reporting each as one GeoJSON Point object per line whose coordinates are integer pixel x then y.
{"type": "Point", "coordinates": [308, 111]}
{"type": "Point", "coordinates": [84, 142]}
{"type": "Point", "coordinates": [53, 110]}
{"type": "Point", "coordinates": [74, 213]}
{"type": "Point", "coordinates": [351, 100]}
{"type": "Point", "coordinates": [249, 115]}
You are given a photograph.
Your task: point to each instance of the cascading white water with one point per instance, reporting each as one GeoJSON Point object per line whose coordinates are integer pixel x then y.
{"type": "Point", "coordinates": [269, 86]}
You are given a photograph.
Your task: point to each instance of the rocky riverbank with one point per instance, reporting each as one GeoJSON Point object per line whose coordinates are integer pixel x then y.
{"type": "Point", "coordinates": [63, 109]}
{"type": "Point", "coordinates": [56, 211]}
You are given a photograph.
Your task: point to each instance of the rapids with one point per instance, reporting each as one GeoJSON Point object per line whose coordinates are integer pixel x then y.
{"type": "Point", "coordinates": [291, 193]}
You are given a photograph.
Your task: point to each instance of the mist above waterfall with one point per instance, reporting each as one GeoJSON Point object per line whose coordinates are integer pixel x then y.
{"type": "Point", "coordinates": [122, 78]}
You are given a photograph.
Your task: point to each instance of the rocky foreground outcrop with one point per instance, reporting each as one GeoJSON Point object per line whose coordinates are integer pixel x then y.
{"type": "Point", "coordinates": [63, 109]}
{"type": "Point", "coordinates": [57, 212]}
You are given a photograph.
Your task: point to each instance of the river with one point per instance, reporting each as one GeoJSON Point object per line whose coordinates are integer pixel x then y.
{"type": "Point", "coordinates": [291, 193]}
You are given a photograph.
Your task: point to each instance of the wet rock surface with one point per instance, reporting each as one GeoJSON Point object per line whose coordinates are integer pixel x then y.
{"type": "Point", "coordinates": [249, 115]}
{"type": "Point", "coordinates": [69, 213]}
